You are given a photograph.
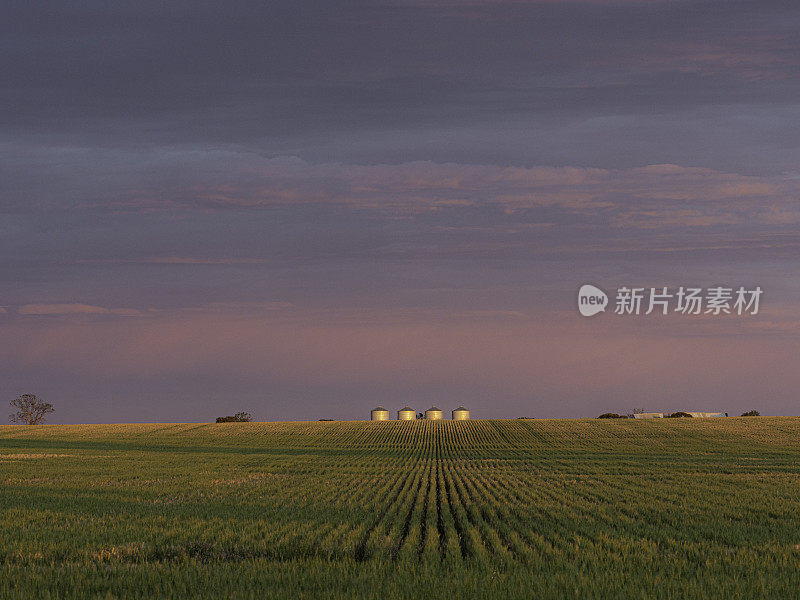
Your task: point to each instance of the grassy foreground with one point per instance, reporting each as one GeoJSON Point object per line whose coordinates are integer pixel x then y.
{"type": "Point", "coordinates": [678, 508]}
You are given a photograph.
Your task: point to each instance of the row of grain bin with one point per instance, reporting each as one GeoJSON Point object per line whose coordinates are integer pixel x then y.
{"type": "Point", "coordinates": [408, 414]}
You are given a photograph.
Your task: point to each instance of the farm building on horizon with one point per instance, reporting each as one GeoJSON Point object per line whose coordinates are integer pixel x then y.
{"type": "Point", "coordinates": [460, 414]}
{"type": "Point", "coordinates": [379, 414]}
{"type": "Point", "coordinates": [434, 414]}
{"type": "Point", "coordinates": [699, 415]}
{"type": "Point", "coordinates": [653, 415]}
{"type": "Point", "coordinates": [406, 414]}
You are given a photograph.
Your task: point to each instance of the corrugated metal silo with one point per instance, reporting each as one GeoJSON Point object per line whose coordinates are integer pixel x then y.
{"type": "Point", "coordinates": [460, 414]}
{"type": "Point", "coordinates": [379, 414]}
{"type": "Point", "coordinates": [406, 414]}
{"type": "Point", "coordinates": [434, 414]}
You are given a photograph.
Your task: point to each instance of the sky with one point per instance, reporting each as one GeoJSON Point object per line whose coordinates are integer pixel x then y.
{"type": "Point", "coordinates": [306, 209]}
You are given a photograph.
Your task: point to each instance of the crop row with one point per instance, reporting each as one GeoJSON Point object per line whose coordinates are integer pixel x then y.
{"type": "Point", "coordinates": [480, 492]}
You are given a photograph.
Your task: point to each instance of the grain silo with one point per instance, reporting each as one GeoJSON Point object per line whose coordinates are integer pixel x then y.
{"type": "Point", "coordinates": [379, 414]}
{"type": "Point", "coordinates": [460, 414]}
{"type": "Point", "coordinates": [406, 414]}
{"type": "Point", "coordinates": [434, 414]}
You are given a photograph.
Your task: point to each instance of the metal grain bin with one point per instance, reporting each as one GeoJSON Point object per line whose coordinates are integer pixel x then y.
{"type": "Point", "coordinates": [406, 414]}
{"type": "Point", "coordinates": [434, 414]}
{"type": "Point", "coordinates": [379, 414]}
{"type": "Point", "coordinates": [460, 414]}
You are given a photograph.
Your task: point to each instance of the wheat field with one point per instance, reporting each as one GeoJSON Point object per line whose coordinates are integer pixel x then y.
{"type": "Point", "coordinates": [675, 508]}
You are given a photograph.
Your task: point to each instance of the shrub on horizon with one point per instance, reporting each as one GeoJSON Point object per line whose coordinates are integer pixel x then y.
{"type": "Point", "coordinates": [240, 417]}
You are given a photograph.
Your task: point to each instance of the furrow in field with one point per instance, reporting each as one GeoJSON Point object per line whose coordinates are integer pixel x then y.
{"type": "Point", "coordinates": [377, 536]}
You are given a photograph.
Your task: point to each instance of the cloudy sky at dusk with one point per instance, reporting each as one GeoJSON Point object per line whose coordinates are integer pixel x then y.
{"type": "Point", "coordinates": [306, 209]}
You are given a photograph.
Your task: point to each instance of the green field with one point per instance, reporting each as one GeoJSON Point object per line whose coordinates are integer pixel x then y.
{"type": "Point", "coordinates": [674, 508]}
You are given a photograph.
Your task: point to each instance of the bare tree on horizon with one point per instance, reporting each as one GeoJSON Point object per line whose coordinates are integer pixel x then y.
{"type": "Point", "coordinates": [30, 410]}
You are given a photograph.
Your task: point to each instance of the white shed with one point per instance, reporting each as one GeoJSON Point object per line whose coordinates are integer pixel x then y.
{"type": "Point", "coordinates": [706, 415]}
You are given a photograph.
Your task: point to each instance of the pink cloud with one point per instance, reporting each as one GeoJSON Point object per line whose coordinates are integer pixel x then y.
{"type": "Point", "coordinates": [647, 197]}
{"type": "Point", "coordinates": [556, 354]}
{"type": "Point", "coordinates": [505, 346]}
{"type": "Point", "coordinates": [748, 56]}
{"type": "Point", "coordinates": [74, 309]}
{"type": "Point", "coordinates": [489, 3]}
{"type": "Point", "coordinates": [182, 260]}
